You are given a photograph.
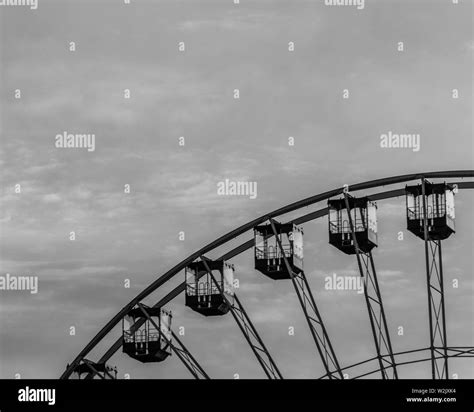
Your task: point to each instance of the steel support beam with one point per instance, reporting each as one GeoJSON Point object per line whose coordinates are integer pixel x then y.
{"type": "Point", "coordinates": [94, 371]}
{"type": "Point", "coordinates": [180, 350]}
{"type": "Point", "coordinates": [374, 302]}
{"type": "Point", "coordinates": [436, 307]}
{"type": "Point", "coordinates": [188, 360]}
{"type": "Point", "coordinates": [250, 333]}
{"type": "Point", "coordinates": [312, 315]}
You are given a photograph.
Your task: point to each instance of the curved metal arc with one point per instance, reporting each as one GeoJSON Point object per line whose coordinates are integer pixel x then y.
{"type": "Point", "coordinates": [461, 352]}
{"type": "Point", "coordinates": [241, 230]}
{"type": "Point", "coordinates": [248, 244]}
{"type": "Point", "coordinates": [374, 358]}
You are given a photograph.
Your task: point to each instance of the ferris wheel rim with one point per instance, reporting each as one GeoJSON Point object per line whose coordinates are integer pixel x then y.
{"type": "Point", "coordinates": [222, 240]}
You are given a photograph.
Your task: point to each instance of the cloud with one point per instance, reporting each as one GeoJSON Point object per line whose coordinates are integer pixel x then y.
{"type": "Point", "coordinates": [173, 188]}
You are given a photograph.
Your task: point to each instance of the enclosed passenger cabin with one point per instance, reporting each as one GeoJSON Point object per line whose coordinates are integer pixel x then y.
{"type": "Point", "coordinates": [268, 254]}
{"type": "Point", "coordinates": [99, 370]}
{"type": "Point", "coordinates": [151, 342]}
{"type": "Point", "coordinates": [439, 201]}
{"type": "Point", "coordinates": [208, 296]}
{"type": "Point", "coordinates": [363, 213]}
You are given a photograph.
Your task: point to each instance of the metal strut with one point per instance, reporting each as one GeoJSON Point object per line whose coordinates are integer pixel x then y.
{"type": "Point", "coordinates": [313, 317]}
{"type": "Point", "coordinates": [436, 308]}
{"type": "Point", "coordinates": [95, 372]}
{"type": "Point", "coordinates": [373, 299]}
{"type": "Point", "coordinates": [179, 349]}
{"type": "Point", "coordinates": [250, 333]}
{"type": "Point", "coordinates": [183, 354]}
{"type": "Point", "coordinates": [188, 360]}
{"type": "Point", "coordinates": [108, 327]}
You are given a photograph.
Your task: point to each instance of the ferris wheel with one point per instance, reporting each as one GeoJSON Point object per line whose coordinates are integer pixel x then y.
{"type": "Point", "coordinates": [278, 245]}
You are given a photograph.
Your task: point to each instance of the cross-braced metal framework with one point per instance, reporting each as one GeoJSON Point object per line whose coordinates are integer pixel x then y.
{"type": "Point", "coordinates": [386, 362]}
{"type": "Point", "coordinates": [188, 359]}
{"type": "Point", "coordinates": [312, 315]}
{"type": "Point", "coordinates": [179, 349]}
{"type": "Point", "coordinates": [250, 333]}
{"type": "Point", "coordinates": [374, 302]}
{"type": "Point", "coordinates": [437, 311]}
{"type": "Point", "coordinates": [99, 370]}
{"type": "Point", "coordinates": [436, 306]}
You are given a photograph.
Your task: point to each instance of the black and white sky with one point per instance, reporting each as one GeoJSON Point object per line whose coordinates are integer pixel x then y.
{"type": "Point", "coordinates": [190, 94]}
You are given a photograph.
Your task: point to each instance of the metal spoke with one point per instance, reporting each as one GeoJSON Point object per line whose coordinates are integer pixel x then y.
{"type": "Point", "coordinates": [312, 315]}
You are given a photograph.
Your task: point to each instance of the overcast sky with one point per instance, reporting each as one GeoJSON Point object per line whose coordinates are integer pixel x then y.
{"type": "Point", "coordinates": [174, 188]}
